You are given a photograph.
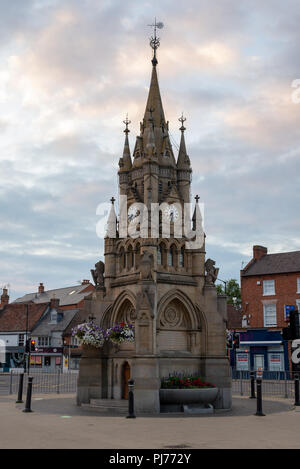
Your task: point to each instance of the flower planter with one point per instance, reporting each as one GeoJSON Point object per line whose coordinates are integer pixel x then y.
{"type": "Point", "coordinates": [188, 396]}
{"type": "Point", "coordinates": [89, 351]}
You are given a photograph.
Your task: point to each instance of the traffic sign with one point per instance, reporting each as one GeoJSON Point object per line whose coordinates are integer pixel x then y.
{"type": "Point", "coordinates": [287, 310]}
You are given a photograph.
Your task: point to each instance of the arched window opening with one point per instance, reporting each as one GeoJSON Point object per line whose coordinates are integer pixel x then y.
{"type": "Point", "coordinates": [137, 255]}
{"type": "Point", "coordinates": [181, 257]}
{"type": "Point", "coordinates": [122, 259]}
{"type": "Point", "coordinates": [170, 257]}
{"type": "Point", "coordinates": [160, 255]}
{"type": "Point", "coordinates": [130, 257]}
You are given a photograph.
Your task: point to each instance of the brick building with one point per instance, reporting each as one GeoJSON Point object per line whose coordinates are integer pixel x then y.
{"type": "Point", "coordinates": [69, 297]}
{"type": "Point", "coordinates": [269, 283]}
{"type": "Point", "coordinates": [16, 323]}
{"type": "Point", "coordinates": [50, 314]}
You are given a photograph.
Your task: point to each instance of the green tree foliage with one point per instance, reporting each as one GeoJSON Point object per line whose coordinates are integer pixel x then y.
{"type": "Point", "coordinates": [233, 291]}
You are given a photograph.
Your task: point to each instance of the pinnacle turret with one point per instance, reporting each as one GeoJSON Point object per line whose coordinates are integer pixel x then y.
{"type": "Point", "coordinates": [125, 163]}
{"type": "Point", "coordinates": [183, 161]}
{"type": "Point", "coordinates": [111, 228]}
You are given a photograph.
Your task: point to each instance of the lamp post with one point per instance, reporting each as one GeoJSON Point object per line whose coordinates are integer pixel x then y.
{"type": "Point", "coordinates": [225, 283]}
{"type": "Point", "coordinates": [26, 339]}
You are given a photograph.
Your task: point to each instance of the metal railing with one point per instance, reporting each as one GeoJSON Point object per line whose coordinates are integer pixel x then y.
{"type": "Point", "coordinates": [56, 382]}
{"type": "Point", "coordinates": [274, 384]}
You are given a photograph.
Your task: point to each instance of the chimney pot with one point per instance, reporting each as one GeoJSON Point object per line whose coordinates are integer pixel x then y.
{"type": "Point", "coordinates": [54, 303]}
{"type": "Point", "coordinates": [259, 252]}
{"type": "Point", "coordinates": [4, 300]}
{"type": "Point", "coordinates": [41, 288]}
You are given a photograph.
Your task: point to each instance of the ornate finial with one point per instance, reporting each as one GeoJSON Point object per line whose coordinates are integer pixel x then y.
{"type": "Point", "coordinates": [197, 198]}
{"type": "Point", "coordinates": [154, 40]}
{"type": "Point", "coordinates": [127, 122]}
{"type": "Point", "coordinates": [182, 120]}
{"type": "Point", "coordinates": [113, 200]}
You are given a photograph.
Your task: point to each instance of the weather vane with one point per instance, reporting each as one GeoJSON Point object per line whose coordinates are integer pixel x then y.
{"type": "Point", "coordinates": [182, 120]}
{"type": "Point", "coordinates": [154, 40]}
{"type": "Point", "coordinates": [126, 122]}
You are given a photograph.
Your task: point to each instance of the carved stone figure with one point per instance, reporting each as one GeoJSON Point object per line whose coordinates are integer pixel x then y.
{"type": "Point", "coordinates": [211, 272]}
{"type": "Point", "coordinates": [98, 274]}
{"type": "Point", "coordinates": [146, 265]}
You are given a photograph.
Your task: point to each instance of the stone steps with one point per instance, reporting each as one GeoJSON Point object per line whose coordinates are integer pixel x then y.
{"type": "Point", "coordinates": [118, 406]}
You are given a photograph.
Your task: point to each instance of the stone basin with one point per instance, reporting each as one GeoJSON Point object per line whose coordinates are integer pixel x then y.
{"type": "Point", "coordinates": [188, 396]}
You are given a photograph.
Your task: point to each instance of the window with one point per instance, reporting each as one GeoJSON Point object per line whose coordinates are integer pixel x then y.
{"type": "Point", "coordinates": [44, 341]}
{"type": "Point", "coordinates": [137, 255]}
{"type": "Point", "coordinates": [21, 340]}
{"type": "Point", "coordinates": [269, 287]}
{"type": "Point", "coordinates": [270, 318]}
{"type": "Point", "coordinates": [53, 316]}
{"type": "Point", "coordinates": [159, 255]}
{"type": "Point", "coordinates": [75, 340]}
{"type": "Point", "coordinates": [130, 258]}
{"type": "Point", "coordinates": [170, 257]}
{"type": "Point", "coordinates": [181, 257]}
{"type": "Point", "coordinates": [298, 285]}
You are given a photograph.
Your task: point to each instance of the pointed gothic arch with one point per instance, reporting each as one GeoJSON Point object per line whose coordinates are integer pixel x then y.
{"type": "Point", "coordinates": [123, 309]}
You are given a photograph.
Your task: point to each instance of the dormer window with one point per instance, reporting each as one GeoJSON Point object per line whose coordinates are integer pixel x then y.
{"type": "Point", "coordinates": [53, 316]}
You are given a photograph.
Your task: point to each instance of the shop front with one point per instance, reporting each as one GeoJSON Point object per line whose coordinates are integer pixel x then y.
{"type": "Point", "coordinates": [260, 349]}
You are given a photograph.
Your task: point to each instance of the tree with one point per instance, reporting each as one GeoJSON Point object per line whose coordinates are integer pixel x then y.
{"type": "Point", "coordinates": [233, 291]}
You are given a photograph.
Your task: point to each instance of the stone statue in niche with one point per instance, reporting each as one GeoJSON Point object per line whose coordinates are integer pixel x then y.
{"type": "Point", "coordinates": [211, 272]}
{"type": "Point", "coordinates": [98, 274]}
{"type": "Point", "coordinates": [146, 265]}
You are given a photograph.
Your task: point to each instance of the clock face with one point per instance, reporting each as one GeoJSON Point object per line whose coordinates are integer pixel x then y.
{"type": "Point", "coordinates": [172, 213]}
{"type": "Point", "coordinates": [133, 212]}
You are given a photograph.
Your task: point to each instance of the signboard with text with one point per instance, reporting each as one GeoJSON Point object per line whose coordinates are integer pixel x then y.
{"type": "Point", "coordinates": [242, 361]}
{"type": "Point", "coordinates": [287, 309]}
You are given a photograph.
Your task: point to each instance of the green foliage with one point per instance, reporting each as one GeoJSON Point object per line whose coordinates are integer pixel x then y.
{"type": "Point", "coordinates": [185, 382]}
{"type": "Point", "coordinates": [233, 291]}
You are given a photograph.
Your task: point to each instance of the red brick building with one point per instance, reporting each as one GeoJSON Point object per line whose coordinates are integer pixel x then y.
{"type": "Point", "coordinates": [269, 282]}
{"type": "Point", "coordinates": [50, 314]}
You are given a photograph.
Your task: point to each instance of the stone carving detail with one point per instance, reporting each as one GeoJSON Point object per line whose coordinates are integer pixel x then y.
{"type": "Point", "coordinates": [146, 265]}
{"type": "Point", "coordinates": [171, 318]}
{"type": "Point", "coordinates": [211, 272]}
{"type": "Point", "coordinates": [98, 274]}
{"type": "Point", "coordinates": [130, 316]}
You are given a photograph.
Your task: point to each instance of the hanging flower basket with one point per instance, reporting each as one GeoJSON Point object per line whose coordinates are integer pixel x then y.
{"type": "Point", "coordinates": [121, 333]}
{"type": "Point", "coordinates": [91, 335]}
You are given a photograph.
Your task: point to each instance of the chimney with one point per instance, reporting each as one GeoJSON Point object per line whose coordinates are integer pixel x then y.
{"type": "Point", "coordinates": [41, 288]}
{"type": "Point", "coordinates": [4, 297]}
{"type": "Point", "coordinates": [85, 282]}
{"type": "Point", "coordinates": [259, 252]}
{"type": "Point", "coordinates": [54, 303]}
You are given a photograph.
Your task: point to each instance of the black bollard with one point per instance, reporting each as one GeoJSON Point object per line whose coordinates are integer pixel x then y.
{"type": "Point", "coordinates": [130, 400]}
{"type": "Point", "coordinates": [252, 383]}
{"type": "Point", "coordinates": [20, 391]}
{"type": "Point", "coordinates": [259, 411]}
{"type": "Point", "coordinates": [28, 396]}
{"type": "Point", "coordinates": [297, 399]}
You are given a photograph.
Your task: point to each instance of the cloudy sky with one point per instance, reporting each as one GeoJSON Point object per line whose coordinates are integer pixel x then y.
{"type": "Point", "coordinates": [70, 70]}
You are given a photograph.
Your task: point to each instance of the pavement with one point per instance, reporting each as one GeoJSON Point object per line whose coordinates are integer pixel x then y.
{"type": "Point", "coordinates": [57, 423]}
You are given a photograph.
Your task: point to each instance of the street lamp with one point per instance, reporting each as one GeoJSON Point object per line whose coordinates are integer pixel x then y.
{"type": "Point", "coordinates": [225, 283]}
